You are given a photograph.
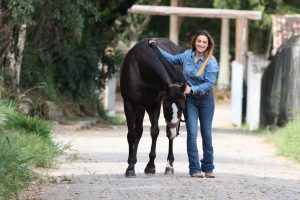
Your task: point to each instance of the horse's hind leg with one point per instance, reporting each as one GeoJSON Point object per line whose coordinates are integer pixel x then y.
{"type": "Point", "coordinates": [139, 126]}
{"type": "Point", "coordinates": [134, 120]}
{"type": "Point", "coordinates": [169, 168]}
{"type": "Point", "coordinates": [153, 116]}
{"type": "Point", "coordinates": [131, 135]}
{"type": "Point", "coordinates": [139, 131]}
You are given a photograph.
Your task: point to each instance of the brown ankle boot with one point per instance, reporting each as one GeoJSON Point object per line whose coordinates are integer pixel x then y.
{"type": "Point", "coordinates": [209, 175]}
{"type": "Point", "coordinates": [197, 175]}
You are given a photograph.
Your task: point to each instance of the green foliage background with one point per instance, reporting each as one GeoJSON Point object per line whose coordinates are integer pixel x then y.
{"type": "Point", "coordinates": [66, 40]}
{"type": "Point", "coordinates": [259, 31]}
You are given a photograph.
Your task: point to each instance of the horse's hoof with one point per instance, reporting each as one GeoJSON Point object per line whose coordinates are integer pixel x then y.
{"type": "Point", "coordinates": [149, 171]}
{"type": "Point", "coordinates": [130, 174]}
{"type": "Point", "coordinates": [169, 171]}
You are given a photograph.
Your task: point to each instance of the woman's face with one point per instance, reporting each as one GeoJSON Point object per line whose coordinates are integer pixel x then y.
{"type": "Point", "coordinates": [201, 43]}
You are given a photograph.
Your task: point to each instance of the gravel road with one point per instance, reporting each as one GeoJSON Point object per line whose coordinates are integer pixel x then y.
{"type": "Point", "coordinates": [246, 168]}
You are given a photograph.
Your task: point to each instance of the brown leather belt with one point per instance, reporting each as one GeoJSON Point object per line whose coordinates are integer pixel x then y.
{"type": "Point", "coordinates": [201, 95]}
{"type": "Point", "coordinates": [207, 93]}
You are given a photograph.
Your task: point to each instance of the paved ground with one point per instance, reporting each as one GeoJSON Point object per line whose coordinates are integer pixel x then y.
{"type": "Point", "coordinates": [246, 167]}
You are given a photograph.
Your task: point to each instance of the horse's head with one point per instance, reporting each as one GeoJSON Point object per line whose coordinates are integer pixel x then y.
{"type": "Point", "coordinates": [173, 106]}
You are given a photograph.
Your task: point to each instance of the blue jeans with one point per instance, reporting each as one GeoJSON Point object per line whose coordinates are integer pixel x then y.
{"type": "Point", "coordinates": [202, 108]}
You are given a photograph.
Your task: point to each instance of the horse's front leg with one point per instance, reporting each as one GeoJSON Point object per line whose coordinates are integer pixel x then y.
{"type": "Point", "coordinates": [150, 168]}
{"type": "Point", "coordinates": [154, 131]}
{"type": "Point", "coordinates": [169, 168]}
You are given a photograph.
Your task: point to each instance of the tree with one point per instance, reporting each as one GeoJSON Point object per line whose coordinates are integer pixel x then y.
{"type": "Point", "coordinates": [15, 15]}
{"type": "Point", "coordinates": [136, 24]}
{"type": "Point", "coordinates": [66, 39]}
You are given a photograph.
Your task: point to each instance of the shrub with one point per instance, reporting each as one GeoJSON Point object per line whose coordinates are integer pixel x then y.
{"type": "Point", "coordinates": [287, 139]}
{"type": "Point", "coordinates": [14, 169]}
{"type": "Point", "coordinates": [25, 143]}
{"type": "Point", "coordinates": [27, 125]}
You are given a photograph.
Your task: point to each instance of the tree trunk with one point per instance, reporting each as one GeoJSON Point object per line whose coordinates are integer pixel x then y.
{"type": "Point", "coordinates": [13, 61]}
{"type": "Point", "coordinates": [19, 58]}
{"type": "Point", "coordinates": [4, 32]}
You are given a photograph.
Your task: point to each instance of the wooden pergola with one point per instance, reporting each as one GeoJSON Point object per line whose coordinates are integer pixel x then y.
{"type": "Point", "coordinates": [242, 18]}
{"type": "Point", "coordinates": [195, 12]}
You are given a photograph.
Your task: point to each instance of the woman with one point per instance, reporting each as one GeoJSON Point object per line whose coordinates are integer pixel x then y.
{"type": "Point", "coordinates": [200, 69]}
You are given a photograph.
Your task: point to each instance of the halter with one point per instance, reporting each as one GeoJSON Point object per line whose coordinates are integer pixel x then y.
{"type": "Point", "coordinates": [178, 85]}
{"type": "Point", "coordinates": [175, 85]}
{"type": "Point", "coordinates": [172, 125]}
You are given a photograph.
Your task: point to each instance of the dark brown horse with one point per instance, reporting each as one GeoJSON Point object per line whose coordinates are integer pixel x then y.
{"type": "Point", "coordinates": [146, 81]}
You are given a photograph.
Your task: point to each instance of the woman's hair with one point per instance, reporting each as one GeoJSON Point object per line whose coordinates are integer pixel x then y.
{"type": "Point", "coordinates": [209, 51]}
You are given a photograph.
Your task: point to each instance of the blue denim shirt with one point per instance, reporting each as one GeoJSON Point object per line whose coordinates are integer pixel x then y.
{"type": "Point", "coordinates": [199, 84]}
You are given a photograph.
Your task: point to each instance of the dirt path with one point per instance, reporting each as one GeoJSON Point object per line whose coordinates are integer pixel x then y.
{"type": "Point", "coordinates": [246, 168]}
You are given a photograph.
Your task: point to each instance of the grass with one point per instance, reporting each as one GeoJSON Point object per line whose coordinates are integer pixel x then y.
{"type": "Point", "coordinates": [15, 171]}
{"type": "Point", "coordinates": [27, 125]}
{"type": "Point", "coordinates": [113, 120]}
{"type": "Point", "coordinates": [42, 151]}
{"type": "Point", "coordinates": [25, 143]}
{"type": "Point", "coordinates": [287, 139]}
{"type": "Point", "coordinates": [14, 121]}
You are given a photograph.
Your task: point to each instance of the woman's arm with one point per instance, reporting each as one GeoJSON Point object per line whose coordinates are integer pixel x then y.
{"type": "Point", "coordinates": [173, 59]}
{"type": "Point", "coordinates": [209, 77]}
{"type": "Point", "coordinates": [208, 84]}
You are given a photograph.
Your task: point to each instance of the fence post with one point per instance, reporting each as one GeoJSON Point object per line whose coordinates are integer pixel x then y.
{"type": "Point", "coordinates": [256, 67]}
{"type": "Point", "coordinates": [237, 92]}
{"type": "Point", "coordinates": [110, 96]}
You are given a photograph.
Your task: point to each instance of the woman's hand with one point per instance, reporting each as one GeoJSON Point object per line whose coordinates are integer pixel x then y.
{"type": "Point", "coordinates": [187, 90]}
{"type": "Point", "coordinates": [151, 42]}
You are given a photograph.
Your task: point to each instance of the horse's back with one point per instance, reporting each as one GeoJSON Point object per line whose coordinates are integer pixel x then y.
{"type": "Point", "coordinates": [138, 77]}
